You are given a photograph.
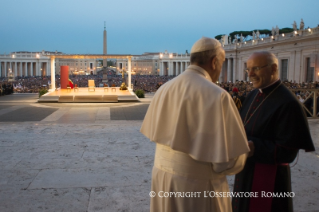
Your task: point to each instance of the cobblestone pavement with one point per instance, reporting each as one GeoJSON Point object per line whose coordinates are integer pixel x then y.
{"type": "Point", "coordinates": [92, 157]}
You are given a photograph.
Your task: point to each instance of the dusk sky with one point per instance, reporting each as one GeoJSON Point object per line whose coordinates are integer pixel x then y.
{"type": "Point", "coordinates": [135, 27]}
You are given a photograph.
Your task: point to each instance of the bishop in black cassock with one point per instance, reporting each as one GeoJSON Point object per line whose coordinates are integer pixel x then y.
{"type": "Point", "coordinates": [276, 124]}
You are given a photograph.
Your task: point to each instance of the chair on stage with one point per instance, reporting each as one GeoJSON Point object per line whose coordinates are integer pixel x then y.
{"type": "Point", "coordinates": [91, 85]}
{"type": "Point", "coordinates": [106, 87]}
{"type": "Point", "coordinates": [113, 88]}
{"type": "Point", "coordinates": [76, 88]}
{"type": "Point", "coordinates": [68, 88]}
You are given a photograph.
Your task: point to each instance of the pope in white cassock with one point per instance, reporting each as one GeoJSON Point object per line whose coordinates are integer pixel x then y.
{"type": "Point", "coordinates": [199, 136]}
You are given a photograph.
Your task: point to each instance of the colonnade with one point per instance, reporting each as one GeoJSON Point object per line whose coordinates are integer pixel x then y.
{"type": "Point", "coordinates": [173, 67]}
{"type": "Point", "coordinates": [228, 72]}
{"type": "Point", "coordinates": [23, 68]}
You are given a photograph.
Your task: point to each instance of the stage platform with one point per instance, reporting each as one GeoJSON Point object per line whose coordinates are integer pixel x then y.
{"type": "Point", "coordinates": [109, 94]}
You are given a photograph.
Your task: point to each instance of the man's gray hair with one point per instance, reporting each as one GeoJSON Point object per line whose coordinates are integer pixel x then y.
{"type": "Point", "coordinates": [271, 58]}
{"type": "Point", "coordinates": [201, 58]}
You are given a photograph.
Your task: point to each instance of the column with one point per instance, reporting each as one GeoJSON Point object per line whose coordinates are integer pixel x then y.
{"type": "Point", "coordinates": [299, 73]}
{"type": "Point", "coordinates": [5, 69]}
{"type": "Point", "coordinates": [20, 69]}
{"type": "Point", "coordinates": [10, 68]}
{"type": "Point", "coordinates": [37, 70]}
{"type": "Point", "coordinates": [15, 69]}
{"type": "Point", "coordinates": [238, 74]}
{"type": "Point", "coordinates": [46, 69]}
{"type": "Point", "coordinates": [31, 69]}
{"type": "Point", "coordinates": [176, 69]}
{"type": "Point", "coordinates": [129, 72]}
{"type": "Point", "coordinates": [52, 74]}
{"type": "Point", "coordinates": [235, 72]}
{"type": "Point", "coordinates": [26, 69]}
{"type": "Point", "coordinates": [228, 70]}
{"type": "Point", "coordinates": [171, 68]}
{"type": "Point", "coordinates": [182, 67]}
{"type": "Point", "coordinates": [160, 68]}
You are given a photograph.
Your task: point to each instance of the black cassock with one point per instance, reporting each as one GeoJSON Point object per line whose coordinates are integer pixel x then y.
{"type": "Point", "coordinates": [279, 128]}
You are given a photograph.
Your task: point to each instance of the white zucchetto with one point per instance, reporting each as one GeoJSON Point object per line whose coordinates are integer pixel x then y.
{"type": "Point", "coordinates": [205, 44]}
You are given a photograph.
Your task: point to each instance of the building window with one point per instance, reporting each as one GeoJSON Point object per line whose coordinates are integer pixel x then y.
{"type": "Point", "coordinates": [309, 71]}
{"type": "Point", "coordinates": [284, 69]}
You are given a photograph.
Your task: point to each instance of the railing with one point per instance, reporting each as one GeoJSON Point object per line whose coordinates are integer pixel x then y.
{"type": "Point", "coordinates": [313, 93]}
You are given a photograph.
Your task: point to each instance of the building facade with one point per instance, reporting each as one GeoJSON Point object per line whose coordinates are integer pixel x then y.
{"type": "Point", "coordinates": [25, 64]}
{"type": "Point", "coordinates": [297, 52]}
{"type": "Point", "coordinates": [145, 64]}
{"type": "Point", "coordinates": [156, 64]}
{"type": "Point", "coordinates": [78, 66]}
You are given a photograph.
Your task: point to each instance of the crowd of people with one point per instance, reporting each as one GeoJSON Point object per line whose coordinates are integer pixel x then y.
{"type": "Point", "coordinates": [6, 88]}
{"type": "Point", "coordinates": [240, 89]}
{"type": "Point", "coordinates": [27, 84]}
{"type": "Point", "coordinates": [150, 83]}
{"type": "Point", "coordinates": [147, 83]}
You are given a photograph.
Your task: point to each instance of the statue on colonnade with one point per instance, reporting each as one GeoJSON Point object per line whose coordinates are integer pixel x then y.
{"type": "Point", "coordinates": [273, 31]}
{"type": "Point", "coordinates": [302, 25]}
{"type": "Point", "coordinates": [294, 26]}
{"type": "Point", "coordinates": [277, 30]}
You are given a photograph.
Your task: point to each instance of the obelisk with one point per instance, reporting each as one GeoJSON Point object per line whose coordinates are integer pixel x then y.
{"type": "Point", "coordinates": [104, 79]}
{"type": "Point", "coordinates": [104, 46]}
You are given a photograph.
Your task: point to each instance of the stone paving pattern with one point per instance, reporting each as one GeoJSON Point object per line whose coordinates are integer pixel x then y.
{"type": "Point", "coordinates": [92, 157]}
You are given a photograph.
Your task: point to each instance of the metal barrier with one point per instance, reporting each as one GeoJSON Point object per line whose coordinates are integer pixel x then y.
{"type": "Point", "coordinates": [313, 93]}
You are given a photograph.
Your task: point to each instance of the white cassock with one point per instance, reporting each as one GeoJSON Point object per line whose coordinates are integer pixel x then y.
{"type": "Point", "coordinates": [199, 140]}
